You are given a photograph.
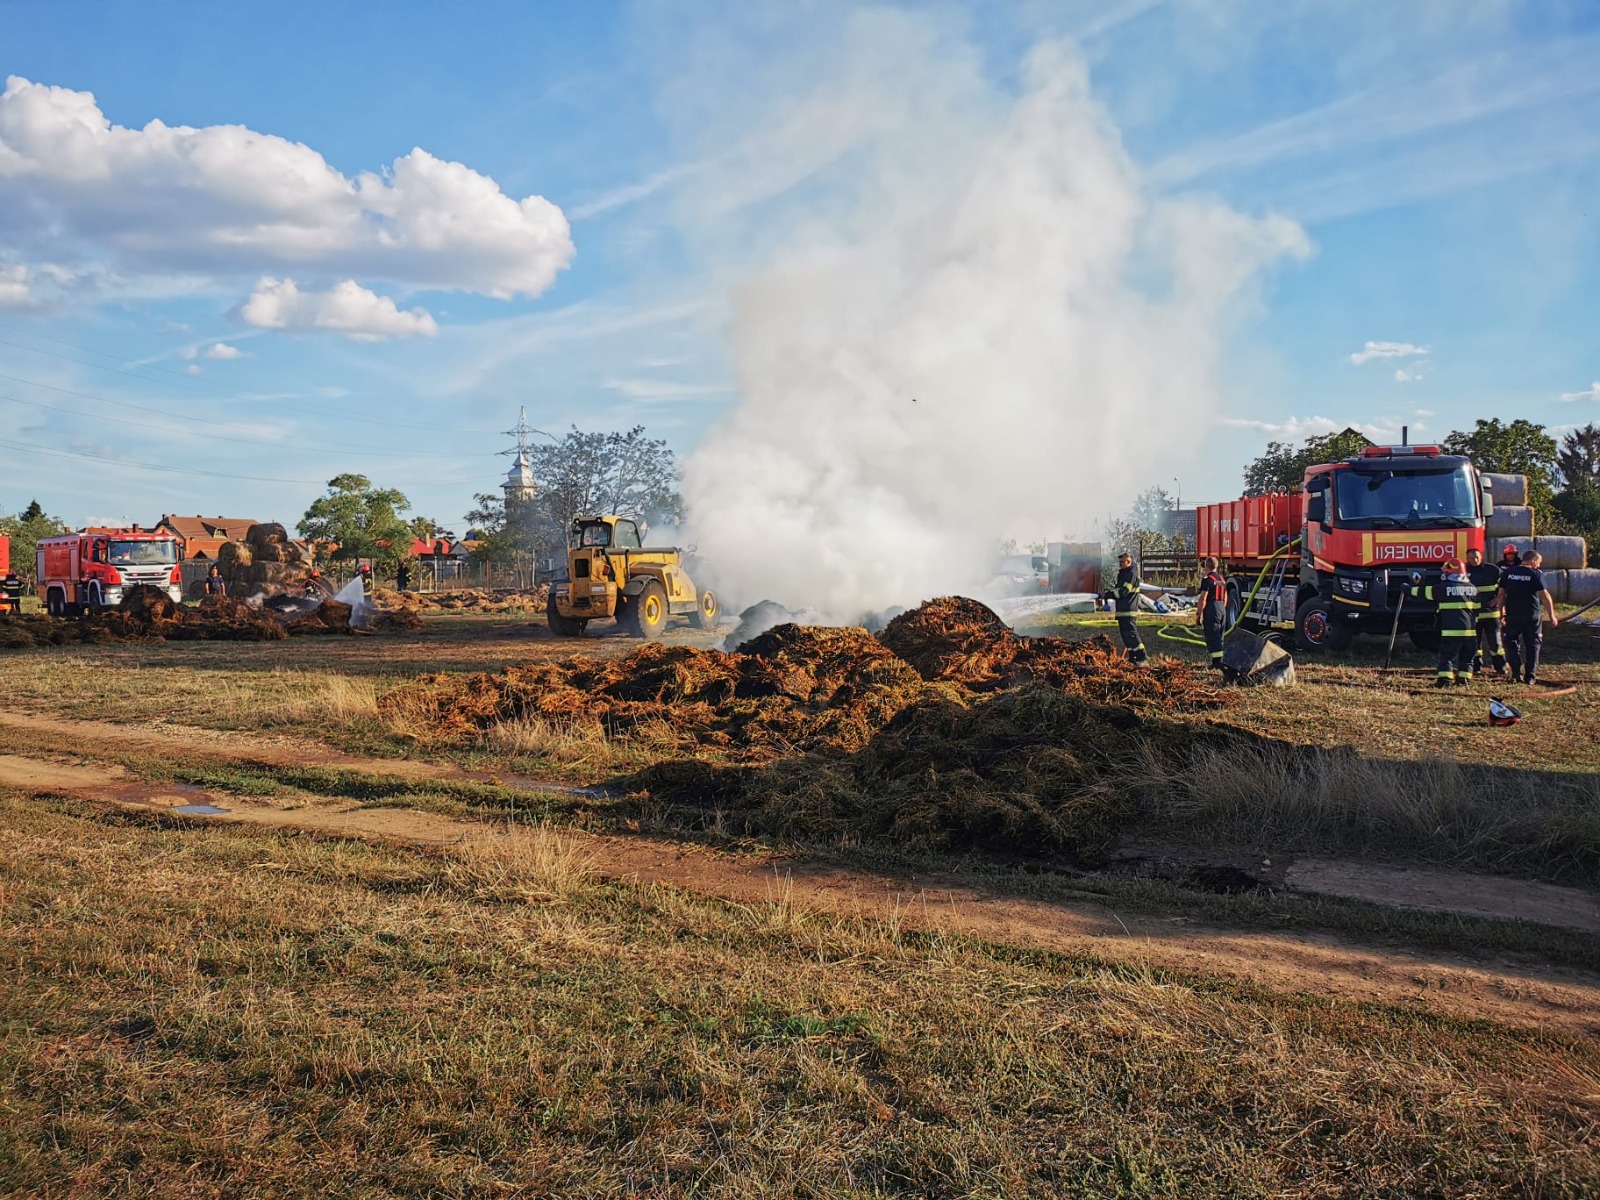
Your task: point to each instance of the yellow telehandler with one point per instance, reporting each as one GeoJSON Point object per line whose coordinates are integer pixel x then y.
{"type": "Point", "coordinates": [610, 573]}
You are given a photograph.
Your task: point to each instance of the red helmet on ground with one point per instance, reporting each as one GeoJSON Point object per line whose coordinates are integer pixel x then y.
{"type": "Point", "coordinates": [1502, 714]}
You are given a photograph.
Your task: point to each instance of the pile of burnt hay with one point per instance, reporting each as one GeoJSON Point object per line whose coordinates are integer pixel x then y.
{"type": "Point", "coordinates": [146, 614]}
{"type": "Point", "coordinates": [961, 641]}
{"type": "Point", "coordinates": [947, 731]}
{"type": "Point", "coordinates": [792, 689]}
{"type": "Point", "coordinates": [531, 600]}
{"type": "Point", "coordinates": [1030, 771]}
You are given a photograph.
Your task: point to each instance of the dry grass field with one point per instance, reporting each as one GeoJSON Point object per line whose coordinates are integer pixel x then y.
{"type": "Point", "coordinates": [398, 968]}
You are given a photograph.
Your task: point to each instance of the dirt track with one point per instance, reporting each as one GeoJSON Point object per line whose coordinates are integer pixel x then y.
{"type": "Point", "coordinates": [1492, 987]}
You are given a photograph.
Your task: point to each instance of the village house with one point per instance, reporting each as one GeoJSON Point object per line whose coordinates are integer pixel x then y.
{"type": "Point", "coordinates": [201, 537]}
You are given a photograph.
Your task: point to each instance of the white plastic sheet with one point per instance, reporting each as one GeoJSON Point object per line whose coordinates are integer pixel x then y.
{"type": "Point", "coordinates": [362, 611]}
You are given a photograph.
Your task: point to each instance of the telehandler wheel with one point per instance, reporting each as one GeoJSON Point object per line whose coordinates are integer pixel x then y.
{"type": "Point", "coordinates": [559, 625]}
{"type": "Point", "coordinates": [647, 615]}
{"type": "Point", "coordinates": [705, 617]}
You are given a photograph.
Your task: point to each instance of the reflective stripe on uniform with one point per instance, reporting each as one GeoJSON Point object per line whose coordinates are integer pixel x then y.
{"type": "Point", "coordinates": [1468, 633]}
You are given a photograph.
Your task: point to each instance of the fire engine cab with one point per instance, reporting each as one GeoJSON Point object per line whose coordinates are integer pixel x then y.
{"type": "Point", "coordinates": [1335, 558]}
{"type": "Point", "coordinates": [88, 571]}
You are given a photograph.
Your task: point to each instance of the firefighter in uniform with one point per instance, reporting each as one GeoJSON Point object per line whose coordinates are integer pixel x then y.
{"type": "Point", "coordinates": [1126, 598]}
{"type": "Point", "coordinates": [1455, 598]}
{"type": "Point", "coordinates": [1485, 577]}
{"type": "Point", "coordinates": [1212, 609]}
{"type": "Point", "coordinates": [1525, 600]}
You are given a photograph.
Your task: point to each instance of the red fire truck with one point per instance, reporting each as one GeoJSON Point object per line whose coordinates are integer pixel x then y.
{"type": "Point", "coordinates": [83, 572]}
{"type": "Point", "coordinates": [1334, 559]}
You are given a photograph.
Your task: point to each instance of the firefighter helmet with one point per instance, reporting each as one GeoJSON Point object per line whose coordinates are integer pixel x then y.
{"type": "Point", "coordinates": [1501, 713]}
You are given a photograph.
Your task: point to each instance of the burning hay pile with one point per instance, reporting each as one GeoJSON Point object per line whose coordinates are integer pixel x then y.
{"type": "Point", "coordinates": [471, 601]}
{"type": "Point", "coordinates": [945, 731]}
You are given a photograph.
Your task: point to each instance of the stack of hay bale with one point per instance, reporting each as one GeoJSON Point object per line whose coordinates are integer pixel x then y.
{"type": "Point", "coordinates": [1566, 569]}
{"type": "Point", "coordinates": [266, 562]}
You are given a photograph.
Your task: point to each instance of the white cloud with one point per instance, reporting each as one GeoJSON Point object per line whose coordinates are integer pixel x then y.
{"type": "Point", "coordinates": [664, 389]}
{"type": "Point", "coordinates": [217, 350]}
{"type": "Point", "coordinates": [224, 201]}
{"type": "Point", "coordinates": [1401, 375]}
{"type": "Point", "coordinates": [1426, 412]}
{"type": "Point", "coordinates": [348, 308]}
{"type": "Point", "coordinates": [1387, 350]}
{"type": "Point", "coordinates": [14, 288]}
{"type": "Point", "coordinates": [1592, 392]}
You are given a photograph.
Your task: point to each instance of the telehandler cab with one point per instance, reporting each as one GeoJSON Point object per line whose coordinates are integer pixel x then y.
{"type": "Point", "coordinates": [610, 573]}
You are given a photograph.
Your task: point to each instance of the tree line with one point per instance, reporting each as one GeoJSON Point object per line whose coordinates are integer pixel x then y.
{"type": "Point", "coordinates": [583, 473]}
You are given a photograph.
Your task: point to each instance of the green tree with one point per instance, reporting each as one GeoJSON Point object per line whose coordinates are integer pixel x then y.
{"type": "Point", "coordinates": [361, 520]}
{"type": "Point", "coordinates": [591, 474]}
{"type": "Point", "coordinates": [528, 544]}
{"type": "Point", "coordinates": [1578, 459]}
{"type": "Point", "coordinates": [1151, 508]}
{"type": "Point", "coordinates": [1520, 448]}
{"type": "Point", "coordinates": [25, 529]}
{"type": "Point", "coordinates": [427, 529]}
{"type": "Point", "coordinates": [1282, 466]}
{"type": "Point", "coordinates": [1577, 504]}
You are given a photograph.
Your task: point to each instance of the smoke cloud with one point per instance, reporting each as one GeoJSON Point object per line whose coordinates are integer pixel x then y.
{"type": "Point", "coordinates": [973, 320]}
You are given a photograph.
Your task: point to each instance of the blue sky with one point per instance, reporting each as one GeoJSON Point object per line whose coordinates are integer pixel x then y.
{"type": "Point", "coordinates": [1441, 160]}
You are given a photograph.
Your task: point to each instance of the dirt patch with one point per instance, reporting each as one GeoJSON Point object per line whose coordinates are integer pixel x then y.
{"type": "Point", "coordinates": [1449, 891]}
{"type": "Point", "coordinates": [33, 774]}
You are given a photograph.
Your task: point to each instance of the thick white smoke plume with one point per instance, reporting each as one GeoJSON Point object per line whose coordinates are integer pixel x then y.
{"type": "Point", "coordinates": [975, 322]}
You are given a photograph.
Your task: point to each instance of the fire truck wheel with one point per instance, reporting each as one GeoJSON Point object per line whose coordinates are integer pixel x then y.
{"type": "Point", "coordinates": [54, 605]}
{"type": "Point", "coordinates": [1235, 601]}
{"type": "Point", "coordinates": [1315, 628]}
{"type": "Point", "coordinates": [97, 600]}
{"type": "Point", "coordinates": [1424, 639]}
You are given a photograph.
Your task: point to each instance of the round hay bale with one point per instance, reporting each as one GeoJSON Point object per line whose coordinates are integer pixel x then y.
{"type": "Point", "coordinates": [269, 533]}
{"type": "Point", "coordinates": [1510, 521]}
{"type": "Point", "coordinates": [293, 552]}
{"type": "Point", "coordinates": [234, 554]}
{"type": "Point", "coordinates": [1577, 587]}
{"type": "Point", "coordinates": [270, 552]}
{"type": "Point", "coordinates": [1510, 490]}
{"type": "Point", "coordinates": [1560, 553]}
